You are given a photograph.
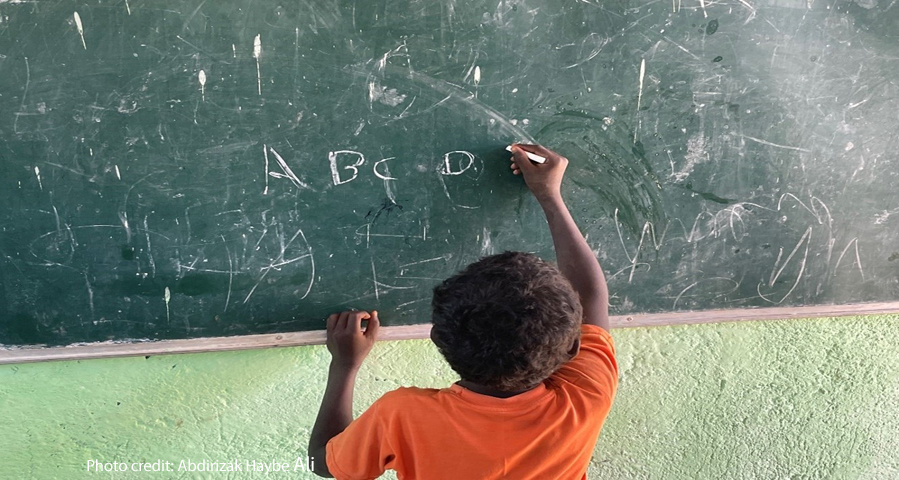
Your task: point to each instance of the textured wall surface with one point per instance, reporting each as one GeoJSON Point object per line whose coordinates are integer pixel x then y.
{"type": "Point", "coordinates": [792, 399]}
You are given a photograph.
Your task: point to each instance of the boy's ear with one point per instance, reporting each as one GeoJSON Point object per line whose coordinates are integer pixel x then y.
{"type": "Point", "coordinates": [575, 348]}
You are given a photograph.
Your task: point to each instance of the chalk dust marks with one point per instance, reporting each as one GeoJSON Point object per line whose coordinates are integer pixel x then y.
{"type": "Point", "coordinates": [201, 77]}
{"type": "Point", "coordinates": [387, 96]}
{"type": "Point", "coordinates": [696, 153]}
{"type": "Point", "coordinates": [882, 217]}
{"type": "Point", "coordinates": [380, 93]}
{"type": "Point", "coordinates": [777, 145]}
{"type": "Point", "coordinates": [444, 257]}
{"type": "Point", "coordinates": [257, 54]}
{"type": "Point", "coordinates": [775, 272]}
{"type": "Point", "coordinates": [265, 153]}
{"type": "Point", "coordinates": [858, 260]}
{"type": "Point", "coordinates": [312, 263]}
{"type": "Point", "coordinates": [27, 84]}
{"type": "Point", "coordinates": [90, 296]}
{"type": "Point", "coordinates": [279, 261]}
{"type": "Point", "coordinates": [486, 243]}
{"type": "Point", "coordinates": [378, 285]}
{"type": "Point", "coordinates": [649, 229]}
{"type": "Point", "coordinates": [475, 108]}
{"type": "Point", "coordinates": [37, 173]}
{"type": "Point", "coordinates": [733, 287]}
{"type": "Point", "coordinates": [230, 272]}
{"type": "Point", "coordinates": [639, 96]}
{"type": "Point", "coordinates": [374, 279]}
{"type": "Point", "coordinates": [477, 80]}
{"type": "Point", "coordinates": [167, 296]}
{"type": "Point", "coordinates": [595, 42]}
{"type": "Point", "coordinates": [80, 27]}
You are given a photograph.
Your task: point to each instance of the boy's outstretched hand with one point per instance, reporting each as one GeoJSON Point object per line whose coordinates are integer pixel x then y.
{"type": "Point", "coordinates": [544, 180]}
{"type": "Point", "coordinates": [347, 342]}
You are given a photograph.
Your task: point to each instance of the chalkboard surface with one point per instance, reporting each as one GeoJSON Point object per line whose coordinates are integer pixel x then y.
{"type": "Point", "coordinates": [191, 169]}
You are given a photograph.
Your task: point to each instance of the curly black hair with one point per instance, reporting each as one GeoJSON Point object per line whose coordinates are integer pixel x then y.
{"type": "Point", "coordinates": [507, 321]}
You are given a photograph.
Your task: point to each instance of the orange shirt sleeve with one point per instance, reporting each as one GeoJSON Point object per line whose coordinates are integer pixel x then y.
{"type": "Point", "coordinates": [362, 450]}
{"type": "Point", "coordinates": [594, 369]}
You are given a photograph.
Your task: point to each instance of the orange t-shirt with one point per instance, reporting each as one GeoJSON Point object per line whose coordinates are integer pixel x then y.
{"type": "Point", "coordinates": [549, 431]}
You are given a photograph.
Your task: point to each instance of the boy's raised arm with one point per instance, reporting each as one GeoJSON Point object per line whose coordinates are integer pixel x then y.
{"type": "Point", "coordinates": [575, 259]}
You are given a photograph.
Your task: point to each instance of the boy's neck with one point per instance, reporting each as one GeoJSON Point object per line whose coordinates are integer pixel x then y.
{"type": "Point", "coordinates": [490, 391]}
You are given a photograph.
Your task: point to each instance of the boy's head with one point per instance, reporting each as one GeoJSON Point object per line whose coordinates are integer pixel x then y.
{"type": "Point", "coordinates": [507, 321]}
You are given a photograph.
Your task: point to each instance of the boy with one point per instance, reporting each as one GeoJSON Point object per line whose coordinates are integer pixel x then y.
{"type": "Point", "coordinates": [531, 345]}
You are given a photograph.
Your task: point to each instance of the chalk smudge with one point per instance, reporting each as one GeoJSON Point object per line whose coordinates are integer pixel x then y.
{"type": "Point", "coordinates": [80, 28]}
{"type": "Point", "coordinates": [202, 78]}
{"type": "Point", "coordinates": [640, 95]}
{"type": "Point", "coordinates": [167, 296]}
{"type": "Point", "coordinates": [387, 96]}
{"type": "Point", "coordinates": [37, 173]}
{"type": "Point", "coordinates": [257, 54]}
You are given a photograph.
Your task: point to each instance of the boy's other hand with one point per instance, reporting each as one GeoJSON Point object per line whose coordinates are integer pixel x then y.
{"type": "Point", "coordinates": [347, 342]}
{"type": "Point", "coordinates": [544, 180]}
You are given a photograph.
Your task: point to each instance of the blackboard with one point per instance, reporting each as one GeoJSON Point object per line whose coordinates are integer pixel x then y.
{"type": "Point", "coordinates": [174, 170]}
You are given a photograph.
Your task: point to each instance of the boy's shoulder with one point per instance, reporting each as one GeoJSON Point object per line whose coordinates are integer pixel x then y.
{"type": "Point", "coordinates": [410, 394]}
{"type": "Point", "coordinates": [406, 401]}
{"type": "Point", "coordinates": [594, 371]}
{"type": "Point", "coordinates": [401, 393]}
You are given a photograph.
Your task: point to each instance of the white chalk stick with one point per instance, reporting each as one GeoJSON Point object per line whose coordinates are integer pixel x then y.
{"type": "Point", "coordinates": [533, 156]}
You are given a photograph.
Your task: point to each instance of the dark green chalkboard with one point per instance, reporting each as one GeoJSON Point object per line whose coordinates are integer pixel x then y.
{"type": "Point", "coordinates": [193, 169]}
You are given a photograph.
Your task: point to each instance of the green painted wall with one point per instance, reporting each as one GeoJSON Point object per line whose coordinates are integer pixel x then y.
{"type": "Point", "coordinates": [789, 400]}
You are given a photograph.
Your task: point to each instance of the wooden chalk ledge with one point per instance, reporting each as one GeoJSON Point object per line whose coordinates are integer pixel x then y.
{"type": "Point", "coordinates": [406, 332]}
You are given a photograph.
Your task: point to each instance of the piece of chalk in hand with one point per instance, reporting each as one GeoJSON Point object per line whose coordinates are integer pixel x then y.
{"type": "Point", "coordinates": [533, 156]}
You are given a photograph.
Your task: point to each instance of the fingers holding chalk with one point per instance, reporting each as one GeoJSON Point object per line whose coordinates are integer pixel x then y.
{"type": "Point", "coordinates": [532, 156]}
